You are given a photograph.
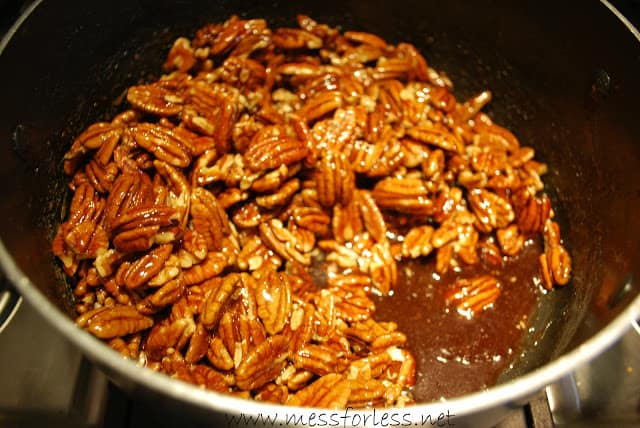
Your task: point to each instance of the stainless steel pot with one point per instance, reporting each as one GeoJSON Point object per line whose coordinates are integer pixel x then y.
{"type": "Point", "coordinates": [565, 76]}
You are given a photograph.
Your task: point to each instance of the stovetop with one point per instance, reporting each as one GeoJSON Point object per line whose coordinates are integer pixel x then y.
{"type": "Point", "coordinates": [46, 382]}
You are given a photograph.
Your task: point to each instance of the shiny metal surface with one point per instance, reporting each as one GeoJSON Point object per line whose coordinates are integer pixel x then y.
{"type": "Point", "coordinates": [479, 409]}
{"type": "Point", "coordinates": [605, 392]}
{"type": "Point", "coordinates": [9, 303]}
{"type": "Point", "coordinates": [45, 380]}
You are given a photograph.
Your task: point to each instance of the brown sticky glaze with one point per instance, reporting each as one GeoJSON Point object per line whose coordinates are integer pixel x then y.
{"type": "Point", "coordinates": [456, 355]}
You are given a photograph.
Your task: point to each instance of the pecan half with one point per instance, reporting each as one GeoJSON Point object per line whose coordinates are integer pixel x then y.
{"type": "Point", "coordinates": [155, 99]}
{"type": "Point", "coordinates": [491, 210]}
{"type": "Point", "coordinates": [330, 391]}
{"type": "Point", "coordinates": [147, 266]}
{"type": "Point", "coordinates": [263, 364]}
{"type": "Point", "coordinates": [138, 229]}
{"type": "Point", "coordinates": [270, 151]}
{"type": "Point", "coordinates": [282, 241]}
{"type": "Point", "coordinates": [163, 143]}
{"type": "Point", "coordinates": [208, 218]}
{"type": "Point", "coordinates": [407, 195]}
{"type": "Point", "coordinates": [114, 321]}
{"type": "Point", "coordinates": [473, 295]}
{"type": "Point", "coordinates": [335, 179]}
{"type": "Point", "coordinates": [217, 299]}
{"type": "Point", "coordinates": [294, 38]}
{"type": "Point", "coordinates": [273, 296]}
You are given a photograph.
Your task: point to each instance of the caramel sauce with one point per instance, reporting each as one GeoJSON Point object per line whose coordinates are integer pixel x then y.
{"type": "Point", "coordinates": [456, 355]}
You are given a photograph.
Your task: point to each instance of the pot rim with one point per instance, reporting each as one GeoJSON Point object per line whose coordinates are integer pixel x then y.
{"type": "Point", "coordinates": [509, 392]}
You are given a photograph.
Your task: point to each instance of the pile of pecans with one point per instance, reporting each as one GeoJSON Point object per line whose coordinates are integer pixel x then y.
{"type": "Point", "coordinates": [231, 227]}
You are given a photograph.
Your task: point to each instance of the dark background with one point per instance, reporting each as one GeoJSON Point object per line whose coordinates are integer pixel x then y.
{"type": "Point", "coordinates": [10, 10]}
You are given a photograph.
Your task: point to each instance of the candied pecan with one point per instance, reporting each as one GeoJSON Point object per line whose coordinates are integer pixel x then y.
{"type": "Point", "coordinates": [155, 99]}
{"type": "Point", "coordinates": [312, 218]}
{"type": "Point", "coordinates": [379, 159]}
{"type": "Point", "coordinates": [352, 306]}
{"type": "Point", "coordinates": [114, 321]}
{"type": "Point", "coordinates": [532, 212]}
{"type": "Point", "coordinates": [138, 229]}
{"type": "Point", "coordinates": [273, 296]}
{"type": "Point", "coordinates": [494, 136]}
{"type": "Point", "coordinates": [85, 239]}
{"type": "Point", "coordinates": [218, 355]}
{"type": "Point", "coordinates": [281, 197]}
{"type": "Point", "coordinates": [444, 257]}
{"type": "Point", "coordinates": [321, 104]}
{"type": "Point", "coordinates": [250, 215]}
{"type": "Point", "coordinates": [282, 241]}
{"type": "Point", "coordinates": [301, 326]}
{"type": "Point", "coordinates": [101, 176]}
{"type": "Point", "coordinates": [166, 295]}
{"type": "Point", "coordinates": [228, 168]}
{"type": "Point", "coordinates": [382, 268]}
{"type": "Point", "coordinates": [472, 106]}
{"type": "Point", "coordinates": [208, 218]}
{"type": "Point", "coordinates": [243, 73]}
{"type": "Point", "coordinates": [270, 151]}
{"type": "Point", "coordinates": [263, 364]}
{"type": "Point", "coordinates": [253, 254]}
{"type": "Point", "coordinates": [473, 295]}
{"type": "Point", "coordinates": [119, 345]}
{"type": "Point", "coordinates": [93, 138]}
{"type": "Point", "coordinates": [365, 38]}
{"type": "Point", "coordinates": [198, 344]}
{"type": "Point", "coordinates": [330, 391]}
{"type": "Point", "coordinates": [273, 393]}
{"type": "Point", "coordinates": [346, 222]}
{"type": "Point", "coordinates": [436, 136]}
{"type": "Point", "coordinates": [209, 378]}
{"type": "Point", "coordinates": [491, 210]}
{"type": "Point", "coordinates": [511, 241]}
{"type": "Point", "coordinates": [298, 379]}
{"type": "Point", "coordinates": [181, 56]}
{"type": "Point", "coordinates": [335, 179]}
{"type": "Point", "coordinates": [407, 195]}
{"type": "Point", "coordinates": [212, 110]}
{"type": "Point", "coordinates": [555, 262]}
{"type": "Point", "coordinates": [371, 215]}
{"type": "Point", "coordinates": [212, 265]}
{"type": "Point", "coordinates": [165, 144]}
{"type": "Point", "coordinates": [129, 191]}
{"type": "Point", "coordinates": [433, 165]}
{"type": "Point", "coordinates": [392, 68]}
{"type": "Point", "coordinates": [407, 372]}
{"type": "Point", "coordinates": [178, 189]}
{"type": "Point", "coordinates": [446, 203]}
{"type": "Point", "coordinates": [418, 242]}
{"type": "Point", "coordinates": [559, 263]}
{"type": "Point", "coordinates": [274, 179]}
{"type": "Point", "coordinates": [334, 133]}
{"type": "Point", "coordinates": [162, 337]}
{"type": "Point", "coordinates": [366, 393]}
{"type": "Point", "coordinates": [318, 359]}
{"type": "Point", "coordinates": [146, 266]}
{"type": "Point", "coordinates": [342, 255]}
{"type": "Point", "coordinates": [293, 38]}
{"type": "Point", "coordinates": [217, 299]}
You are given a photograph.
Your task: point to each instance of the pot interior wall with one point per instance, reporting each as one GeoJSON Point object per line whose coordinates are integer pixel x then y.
{"type": "Point", "coordinates": [566, 82]}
